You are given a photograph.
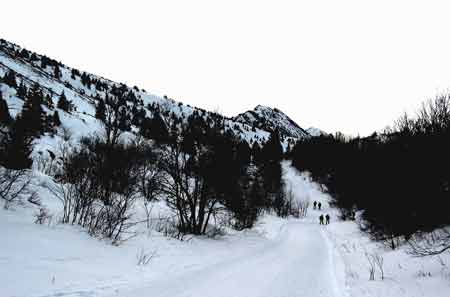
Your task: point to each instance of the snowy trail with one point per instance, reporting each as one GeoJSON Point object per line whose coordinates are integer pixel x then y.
{"type": "Point", "coordinates": [277, 258]}
{"type": "Point", "coordinates": [295, 263]}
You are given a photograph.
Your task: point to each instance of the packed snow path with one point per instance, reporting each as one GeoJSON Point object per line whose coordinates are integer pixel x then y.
{"type": "Point", "coordinates": [297, 262]}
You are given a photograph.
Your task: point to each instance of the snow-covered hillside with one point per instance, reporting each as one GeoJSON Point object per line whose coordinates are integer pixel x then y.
{"type": "Point", "coordinates": [84, 90]}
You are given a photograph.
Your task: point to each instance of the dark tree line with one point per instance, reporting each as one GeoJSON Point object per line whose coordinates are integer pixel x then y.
{"type": "Point", "coordinates": [15, 140]}
{"type": "Point", "coordinates": [399, 178]}
{"type": "Point", "coordinates": [200, 170]}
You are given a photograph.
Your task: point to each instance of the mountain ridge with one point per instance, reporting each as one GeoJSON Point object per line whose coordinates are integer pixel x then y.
{"type": "Point", "coordinates": [85, 90]}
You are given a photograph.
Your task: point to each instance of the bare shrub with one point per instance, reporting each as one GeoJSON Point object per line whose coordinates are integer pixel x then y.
{"type": "Point", "coordinates": [43, 217]}
{"type": "Point", "coordinates": [423, 273]}
{"type": "Point", "coordinates": [148, 207]}
{"type": "Point", "coordinates": [391, 241]}
{"type": "Point", "coordinates": [98, 187]}
{"type": "Point", "coordinates": [298, 208]}
{"type": "Point", "coordinates": [46, 162]}
{"type": "Point", "coordinates": [375, 261]}
{"type": "Point", "coordinates": [159, 223]}
{"type": "Point", "coordinates": [169, 227]}
{"type": "Point", "coordinates": [379, 261]}
{"type": "Point", "coordinates": [429, 244]}
{"type": "Point", "coordinates": [13, 184]}
{"type": "Point", "coordinates": [371, 266]}
{"type": "Point", "coordinates": [66, 134]}
{"type": "Point", "coordinates": [302, 207]}
{"type": "Point", "coordinates": [143, 258]}
{"type": "Point", "coordinates": [215, 231]}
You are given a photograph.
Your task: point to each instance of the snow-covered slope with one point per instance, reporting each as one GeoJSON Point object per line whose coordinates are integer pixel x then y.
{"type": "Point", "coordinates": [316, 132]}
{"type": "Point", "coordinates": [84, 90]}
{"type": "Point", "coordinates": [270, 119]}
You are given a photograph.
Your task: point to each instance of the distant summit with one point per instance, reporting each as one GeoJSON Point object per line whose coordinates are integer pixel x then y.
{"type": "Point", "coordinates": [316, 132]}
{"type": "Point", "coordinates": [270, 119]}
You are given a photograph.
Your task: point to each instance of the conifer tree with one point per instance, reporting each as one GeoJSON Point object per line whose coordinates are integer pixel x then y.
{"type": "Point", "coordinates": [100, 110]}
{"type": "Point", "coordinates": [5, 117]}
{"type": "Point", "coordinates": [155, 128]}
{"type": "Point", "coordinates": [124, 119]}
{"type": "Point", "coordinates": [22, 91]}
{"type": "Point", "coordinates": [16, 147]}
{"type": "Point", "coordinates": [48, 101]}
{"type": "Point", "coordinates": [10, 79]}
{"type": "Point", "coordinates": [271, 172]}
{"type": "Point", "coordinates": [57, 72]}
{"type": "Point", "coordinates": [56, 119]}
{"type": "Point", "coordinates": [24, 54]}
{"type": "Point", "coordinates": [63, 103]}
{"type": "Point", "coordinates": [32, 112]}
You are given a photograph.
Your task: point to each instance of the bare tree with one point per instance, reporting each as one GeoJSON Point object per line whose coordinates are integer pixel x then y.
{"type": "Point", "coordinates": [117, 115]}
{"type": "Point", "coordinates": [13, 183]}
{"type": "Point", "coordinates": [430, 244]}
{"type": "Point", "coordinates": [186, 191]}
{"type": "Point", "coordinates": [302, 206]}
{"type": "Point", "coordinates": [149, 172]}
{"type": "Point", "coordinates": [298, 207]}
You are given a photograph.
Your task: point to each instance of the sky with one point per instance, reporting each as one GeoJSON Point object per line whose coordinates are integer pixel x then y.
{"type": "Point", "coordinates": [350, 65]}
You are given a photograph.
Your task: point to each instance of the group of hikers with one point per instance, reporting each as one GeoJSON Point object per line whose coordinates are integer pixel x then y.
{"type": "Point", "coordinates": [323, 220]}
{"type": "Point", "coordinates": [327, 219]}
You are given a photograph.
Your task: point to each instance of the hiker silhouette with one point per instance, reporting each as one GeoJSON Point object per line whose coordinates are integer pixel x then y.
{"type": "Point", "coordinates": [327, 219]}
{"type": "Point", "coordinates": [314, 204]}
{"type": "Point", "coordinates": [321, 220]}
{"type": "Point", "coordinates": [319, 205]}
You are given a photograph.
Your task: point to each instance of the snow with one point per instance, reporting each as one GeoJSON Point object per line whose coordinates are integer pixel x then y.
{"type": "Point", "coordinates": [265, 117]}
{"type": "Point", "coordinates": [14, 103]}
{"type": "Point", "coordinates": [315, 132]}
{"type": "Point", "coordinates": [278, 257]}
{"type": "Point", "coordinates": [294, 263]}
{"type": "Point", "coordinates": [404, 275]}
{"type": "Point", "coordinates": [63, 261]}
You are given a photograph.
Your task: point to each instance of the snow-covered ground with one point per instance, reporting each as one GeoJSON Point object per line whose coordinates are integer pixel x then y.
{"type": "Point", "coordinates": [404, 275]}
{"type": "Point", "coordinates": [279, 257]}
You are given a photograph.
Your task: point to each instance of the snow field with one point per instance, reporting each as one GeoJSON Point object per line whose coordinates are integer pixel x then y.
{"type": "Point", "coordinates": [277, 258]}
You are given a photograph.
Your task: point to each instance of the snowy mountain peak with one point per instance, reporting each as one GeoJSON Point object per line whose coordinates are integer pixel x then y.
{"type": "Point", "coordinates": [316, 132]}
{"type": "Point", "coordinates": [270, 119]}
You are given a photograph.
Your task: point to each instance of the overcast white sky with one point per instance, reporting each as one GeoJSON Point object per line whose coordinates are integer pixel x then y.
{"type": "Point", "coordinates": [349, 65]}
